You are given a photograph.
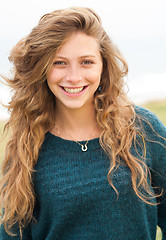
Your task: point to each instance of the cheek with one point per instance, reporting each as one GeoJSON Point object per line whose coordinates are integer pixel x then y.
{"type": "Point", "coordinates": [94, 76]}
{"type": "Point", "coordinates": [51, 81]}
{"type": "Point", "coordinates": [52, 77]}
{"type": "Point", "coordinates": [97, 77]}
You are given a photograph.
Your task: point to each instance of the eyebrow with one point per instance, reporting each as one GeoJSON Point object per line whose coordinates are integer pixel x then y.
{"type": "Point", "coordinates": [84, 56]}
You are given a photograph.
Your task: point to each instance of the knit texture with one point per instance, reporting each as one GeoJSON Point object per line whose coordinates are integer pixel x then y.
{"type": "Point", "coordinates": [74, 200]}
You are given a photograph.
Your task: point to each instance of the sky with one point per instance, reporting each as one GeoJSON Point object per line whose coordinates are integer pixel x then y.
{"type": "Point", "coordinates": [137, 27]}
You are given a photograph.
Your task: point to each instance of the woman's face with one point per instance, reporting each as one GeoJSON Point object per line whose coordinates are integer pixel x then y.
{"type": "Point", "coordinates": [76, 71]}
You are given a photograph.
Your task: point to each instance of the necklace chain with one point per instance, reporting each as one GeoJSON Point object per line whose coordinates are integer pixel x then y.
{"type": "Point", "coordinates": [84, 147]}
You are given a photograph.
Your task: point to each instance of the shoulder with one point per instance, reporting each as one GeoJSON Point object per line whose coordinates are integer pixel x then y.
{"type": "Point", "coordinates": [149, 122]}
{"type": "Point", "coordinates": [154, 134]}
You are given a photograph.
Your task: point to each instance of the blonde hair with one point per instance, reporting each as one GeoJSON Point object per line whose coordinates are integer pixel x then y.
{"type": "Point", "coordinates": [32, 110]}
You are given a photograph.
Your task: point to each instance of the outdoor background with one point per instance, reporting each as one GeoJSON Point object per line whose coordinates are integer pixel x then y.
{"type": "Point", "coordinates": [136, 26]}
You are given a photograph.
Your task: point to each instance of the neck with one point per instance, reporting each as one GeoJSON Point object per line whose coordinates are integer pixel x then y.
{"type": "Point", "coordinates": [76, 124]}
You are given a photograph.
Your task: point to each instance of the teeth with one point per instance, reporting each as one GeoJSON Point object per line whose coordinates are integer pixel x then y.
{"type": "Point", "coordinates": [73, 90]}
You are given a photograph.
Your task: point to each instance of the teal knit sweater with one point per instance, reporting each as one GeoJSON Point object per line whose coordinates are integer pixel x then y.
{"type": "Point", "coordinates": [74, 200]}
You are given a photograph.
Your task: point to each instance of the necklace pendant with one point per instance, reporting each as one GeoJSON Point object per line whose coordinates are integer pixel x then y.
{"type": "Point", "coordinates": [84, 148]}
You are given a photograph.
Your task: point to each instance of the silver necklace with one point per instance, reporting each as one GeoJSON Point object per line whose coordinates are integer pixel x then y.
{"type": "Point", "coordinates": [84, 147]}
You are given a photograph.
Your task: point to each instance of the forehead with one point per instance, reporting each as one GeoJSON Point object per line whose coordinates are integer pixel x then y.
{"type": "Point", "coordinates": [79, 43]}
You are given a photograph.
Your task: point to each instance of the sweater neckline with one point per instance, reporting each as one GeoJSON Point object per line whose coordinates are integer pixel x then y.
{"type": "Point", "coordinates": [70, 145]}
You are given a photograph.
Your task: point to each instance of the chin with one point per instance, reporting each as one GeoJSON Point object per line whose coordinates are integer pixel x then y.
{"type": "Point", "coordinates": [75, 107]}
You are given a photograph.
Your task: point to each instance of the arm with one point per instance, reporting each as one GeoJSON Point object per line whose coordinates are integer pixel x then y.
{"type": "Point", "coordinates": [160, 180]}
{"type": "Point", "coordinates": [156, 151]}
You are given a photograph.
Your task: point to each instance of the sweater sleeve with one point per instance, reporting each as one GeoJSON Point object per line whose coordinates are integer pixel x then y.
{"type": "Point", "coordinates": [156, 131]}
{"type": "Point", "coordinates": [159, 177]}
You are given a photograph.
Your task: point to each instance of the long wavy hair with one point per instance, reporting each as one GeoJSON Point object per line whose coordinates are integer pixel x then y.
{"type": "Point", "coordinates": [32, 110]}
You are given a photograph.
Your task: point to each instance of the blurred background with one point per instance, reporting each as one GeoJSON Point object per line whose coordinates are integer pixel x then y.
{"type": "Point", "coordinates": [136, 27]}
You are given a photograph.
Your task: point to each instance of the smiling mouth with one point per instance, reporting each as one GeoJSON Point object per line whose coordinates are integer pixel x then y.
{"type": "Point", "coordinates": [74, 90]}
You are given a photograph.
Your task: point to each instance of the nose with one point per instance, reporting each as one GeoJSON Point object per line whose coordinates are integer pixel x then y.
{"type": "Point", "coordinates": [73, 74]}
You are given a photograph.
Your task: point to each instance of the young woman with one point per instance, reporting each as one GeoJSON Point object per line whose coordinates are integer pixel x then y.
{"type": "Point", "coordinates": [82, 161]}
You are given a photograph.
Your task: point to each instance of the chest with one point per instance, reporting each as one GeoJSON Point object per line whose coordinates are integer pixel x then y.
{"type": "Point", "coordinates": [74, 177]}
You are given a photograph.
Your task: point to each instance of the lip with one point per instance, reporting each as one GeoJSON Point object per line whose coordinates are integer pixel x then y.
{"type": "Point", "coordinates": [73, 94]}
